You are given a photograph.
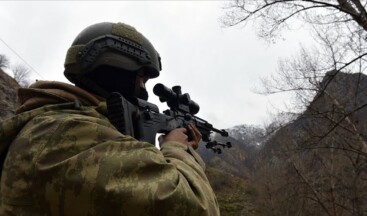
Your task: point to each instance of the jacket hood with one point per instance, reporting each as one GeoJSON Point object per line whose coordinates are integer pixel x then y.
{"type": "Point", "coordinates": [43, 93]}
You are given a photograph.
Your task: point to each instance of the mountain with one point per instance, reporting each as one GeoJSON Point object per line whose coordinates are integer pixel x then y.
{"type": "Point", "coordinates": [339, 107]}
{"type": "Point", "coordinates": [247, 134]}
{"type": "Point", "coordinates": [237, 160]}
{"type": "Point", "coordinates": [8, 95]}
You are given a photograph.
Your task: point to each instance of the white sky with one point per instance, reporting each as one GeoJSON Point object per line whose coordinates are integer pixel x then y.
{"type": "Point", "coordinates": [218, 66]}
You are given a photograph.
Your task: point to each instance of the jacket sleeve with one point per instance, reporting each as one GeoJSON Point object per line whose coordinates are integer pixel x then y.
{"type": "Point", "coordinates": [79, 164]}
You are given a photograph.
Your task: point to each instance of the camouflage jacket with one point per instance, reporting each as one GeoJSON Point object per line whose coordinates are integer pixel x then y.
{"type": "Point", "coordinates": [65, 158]}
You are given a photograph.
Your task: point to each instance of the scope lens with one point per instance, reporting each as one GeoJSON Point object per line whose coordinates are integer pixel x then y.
{"type": "Point", "coordinates": [164, 92]}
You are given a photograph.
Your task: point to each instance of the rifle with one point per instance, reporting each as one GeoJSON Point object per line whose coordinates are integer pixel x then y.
{"type": "Point", "coordinates": [142, 120]}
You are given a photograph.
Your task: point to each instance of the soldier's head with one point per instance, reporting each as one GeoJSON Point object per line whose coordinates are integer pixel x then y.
{"type": "Point", "coordinates": [112, 57]}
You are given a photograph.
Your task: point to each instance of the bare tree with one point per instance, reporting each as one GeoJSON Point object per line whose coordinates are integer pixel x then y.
{"type": "Point", "coordinates": [339, 28]}
{"type": "Point", "coordinates": [21, 74]}
{"type": "Point", "coordinates": [4, 61]}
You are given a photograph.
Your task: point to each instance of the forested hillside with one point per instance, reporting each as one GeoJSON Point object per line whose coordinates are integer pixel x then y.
{"type": "Point", "coordinates": [317, 165]}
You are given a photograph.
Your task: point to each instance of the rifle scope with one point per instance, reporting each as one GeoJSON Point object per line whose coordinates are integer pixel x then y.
{"type": "Point", "coordinates": [175, 99]}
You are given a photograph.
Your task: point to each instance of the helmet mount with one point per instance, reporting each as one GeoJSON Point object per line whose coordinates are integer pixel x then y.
{"type": "Point", "coordinates": [88, 54]}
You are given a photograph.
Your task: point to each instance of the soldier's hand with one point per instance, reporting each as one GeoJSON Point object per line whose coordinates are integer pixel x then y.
{"type": "Point", "coordinates": [190, 136]}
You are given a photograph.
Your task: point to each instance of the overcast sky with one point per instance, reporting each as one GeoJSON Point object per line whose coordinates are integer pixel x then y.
{"type": "Point", "coordinates": [219, 67]}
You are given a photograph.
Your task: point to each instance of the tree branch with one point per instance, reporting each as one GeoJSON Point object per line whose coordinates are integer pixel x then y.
{"type": "Point", "coordinates": [360, 18]}
{"type": "Point", "coordinates": [312, 189]}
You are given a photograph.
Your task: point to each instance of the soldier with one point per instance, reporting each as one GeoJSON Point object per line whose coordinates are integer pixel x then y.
{"type": "Point", "coordinates": [61, 155]}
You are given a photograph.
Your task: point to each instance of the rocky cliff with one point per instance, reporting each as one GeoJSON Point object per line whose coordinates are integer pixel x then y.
{"type": "Point", "coordinates": [8, 95]}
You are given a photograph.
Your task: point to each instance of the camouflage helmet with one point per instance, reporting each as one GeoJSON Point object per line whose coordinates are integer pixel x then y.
{"type": "Point", "coordinates": [110, 44]}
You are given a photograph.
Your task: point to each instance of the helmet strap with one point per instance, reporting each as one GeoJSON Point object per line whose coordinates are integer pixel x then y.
{"type": "Point", "coordinates": [139, 73]}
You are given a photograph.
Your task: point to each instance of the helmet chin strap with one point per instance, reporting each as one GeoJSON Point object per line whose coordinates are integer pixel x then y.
{"type": "Point", "coordinates": [137, 86]}
{"type": "Point", "coordinates": [139, 91]}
